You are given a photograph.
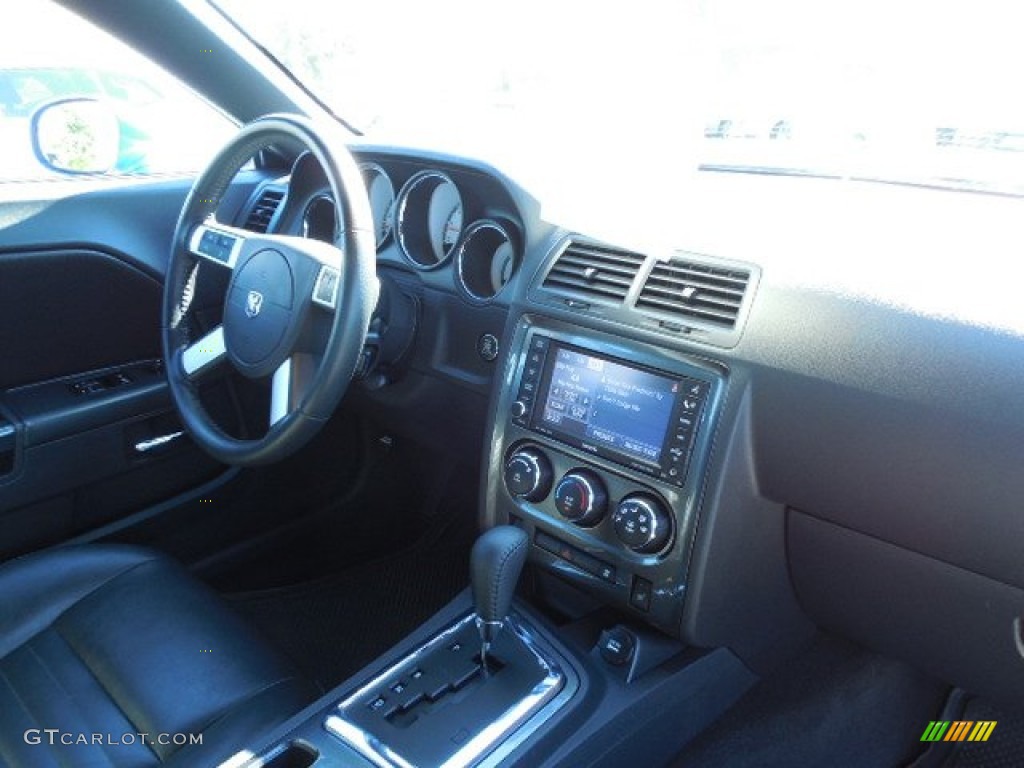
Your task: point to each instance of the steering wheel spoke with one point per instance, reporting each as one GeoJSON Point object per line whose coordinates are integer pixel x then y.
{"type": "Point", "coordinates": [290, 382]}
{"type": "Point", "coordinates": [204, 354]}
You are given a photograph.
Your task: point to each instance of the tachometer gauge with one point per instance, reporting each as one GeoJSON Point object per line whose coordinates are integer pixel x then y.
{"type": "Point", "coordinates": [382, 200]}
{"type": "Point", "coordinates": [486, 260]}
{"type": "Point", "coordinates": [429, 220]}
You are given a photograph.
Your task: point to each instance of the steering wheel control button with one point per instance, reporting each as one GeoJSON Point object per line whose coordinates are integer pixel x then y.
{"type": "Point", "coordinates": [215, 246]}
{"type": "Point", "coordinates": [528, 474]}
{"type": "Point", "coordinates": [616, 646]}
{"type": "Point", "coordinates": [642, 523]}
{"type": "Point", "coordinates": [325, 291]}
{"type": "Point", "coordinates": [581, 497]}
{"type": "Point", "coordinates": [487, 347]}
{"type": "Point", "coordinates": [640, 594]}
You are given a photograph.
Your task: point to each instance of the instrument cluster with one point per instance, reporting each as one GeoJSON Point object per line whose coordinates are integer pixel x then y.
{"type": "Point", "coordinates": [426, 217]}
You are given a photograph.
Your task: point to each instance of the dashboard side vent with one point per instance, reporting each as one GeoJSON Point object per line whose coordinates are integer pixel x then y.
{"type": "Point", "coordinates": [594, 272]}
{"type": "Point", "coordinates": [263, 211]}
{"type": "Point", "coordinates": [692, 291]}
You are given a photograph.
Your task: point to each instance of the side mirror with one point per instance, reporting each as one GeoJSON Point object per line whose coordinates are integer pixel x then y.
{"type": "Point", "coordinates": [79, 136]}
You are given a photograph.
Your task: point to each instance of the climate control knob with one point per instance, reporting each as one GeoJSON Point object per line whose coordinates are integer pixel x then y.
{"type": "Point", "coordinates": [528, 474]}
{"type": "Point", "coordinates": [580, 496]}
{"type": "Point", "coordinates": [643, 523]}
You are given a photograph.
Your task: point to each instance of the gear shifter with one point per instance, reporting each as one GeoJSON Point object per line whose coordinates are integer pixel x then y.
{"type": "Point", "coordinates": [494, 565]}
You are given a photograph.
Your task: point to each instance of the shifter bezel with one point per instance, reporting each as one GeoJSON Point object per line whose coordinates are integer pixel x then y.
{"type": "Point", "coordinates": [519, 720]}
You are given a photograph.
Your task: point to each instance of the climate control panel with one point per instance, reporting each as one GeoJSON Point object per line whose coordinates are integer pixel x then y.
{"type": "Point", "coordinates": [642, 521]}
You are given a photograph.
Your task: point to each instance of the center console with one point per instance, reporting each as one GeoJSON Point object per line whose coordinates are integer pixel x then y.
{"type": "Point", "coordinates": [599, 451]}
{"type": "Point", "coordinates": [595, 471]}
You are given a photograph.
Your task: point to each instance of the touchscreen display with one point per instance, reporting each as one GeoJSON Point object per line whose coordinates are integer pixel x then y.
{"type": "Point", "coordinates": [608, 405]}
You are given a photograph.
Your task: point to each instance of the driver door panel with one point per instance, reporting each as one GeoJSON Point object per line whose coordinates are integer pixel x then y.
{"type": "Point", "coordinates": [84, 403]}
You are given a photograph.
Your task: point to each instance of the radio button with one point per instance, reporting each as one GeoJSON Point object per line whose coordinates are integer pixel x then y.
{"type": "Point", "coordinates": [518, 409]}
{"type": "Point", "coordinates": [694, 388]}
{"type": "Point", "coordinates": [581, 497]}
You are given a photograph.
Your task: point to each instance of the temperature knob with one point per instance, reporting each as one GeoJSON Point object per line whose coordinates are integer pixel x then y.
{"type": "Point", "coordinates": [528, 474]}
{"type": "Point", "coordinates": [580, 497]}
{"type": "Point", "coordinates": [643, 523]}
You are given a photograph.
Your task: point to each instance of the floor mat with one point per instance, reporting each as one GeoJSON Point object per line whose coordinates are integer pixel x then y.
{"type": "Point", "coordinates": [836, 705]}
{"type": "Point", "coordinates": [332, 627]}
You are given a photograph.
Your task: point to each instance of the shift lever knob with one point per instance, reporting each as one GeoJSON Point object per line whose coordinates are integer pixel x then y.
{"type": "Point", "coordinates": [494, 566]}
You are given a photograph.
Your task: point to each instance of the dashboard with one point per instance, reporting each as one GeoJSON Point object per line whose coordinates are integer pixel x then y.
{"type": "Point", "coordinates": [731, 440]}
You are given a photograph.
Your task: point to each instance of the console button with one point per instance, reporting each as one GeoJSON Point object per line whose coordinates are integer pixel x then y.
{"type": "Point", "coordinates": [487, 347]}
{"type": "Point", "coordinates": [643, 523]}
{"type": "Point", "coordinates": [528, 474]}
{"type": "Point", "coordinates": [581, 497]}
{"type": "Point", "coordinates": [585, 562]}
{"type": "Point", "coordinates": [518, 409]}
{"type": "Point", "coordinates": [640, 595]}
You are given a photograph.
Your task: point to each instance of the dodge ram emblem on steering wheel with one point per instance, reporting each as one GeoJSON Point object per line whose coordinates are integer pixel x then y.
{"type": "Point", "coordinates": [253, 303]}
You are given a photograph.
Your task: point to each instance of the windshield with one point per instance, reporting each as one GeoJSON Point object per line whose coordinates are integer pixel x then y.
{"type": "Point", "coordinates": [917, 92]}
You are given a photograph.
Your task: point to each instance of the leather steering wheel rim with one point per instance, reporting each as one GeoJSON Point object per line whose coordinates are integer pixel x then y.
{"type": "Point", "coordinates": [356, 293]}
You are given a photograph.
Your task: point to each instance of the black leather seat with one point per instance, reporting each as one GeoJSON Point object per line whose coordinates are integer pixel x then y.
{"type": "Point", "coordinates": [104, 643]}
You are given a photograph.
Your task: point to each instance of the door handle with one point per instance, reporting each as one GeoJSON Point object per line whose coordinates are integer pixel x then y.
{"type": "Point", "coordinates": [145, 446]}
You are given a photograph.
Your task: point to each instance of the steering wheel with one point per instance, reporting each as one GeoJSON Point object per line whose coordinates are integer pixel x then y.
{"type": "Point", "coordinates": [296, 311]}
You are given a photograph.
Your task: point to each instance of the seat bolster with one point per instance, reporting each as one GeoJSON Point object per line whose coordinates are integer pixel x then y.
{"type": "Point", "coordinates": [38, 588]}
{"type": "Point", "coordinates": [132, 634]}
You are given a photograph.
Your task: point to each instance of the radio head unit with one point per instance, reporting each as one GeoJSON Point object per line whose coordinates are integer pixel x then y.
{"type": "Point", "coordinates": [642, 418]}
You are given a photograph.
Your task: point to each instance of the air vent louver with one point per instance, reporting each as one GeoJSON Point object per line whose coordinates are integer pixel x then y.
{"type": "Point", "coordinates": [595, 272]}
{"type": "Point", "coordinates": [264, 210]}
{"type": "Point", "coordinates": [697, 292]}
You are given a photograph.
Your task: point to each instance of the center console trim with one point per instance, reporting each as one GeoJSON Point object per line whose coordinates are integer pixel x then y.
{"type": "Point", "coordinates": [518, 722]}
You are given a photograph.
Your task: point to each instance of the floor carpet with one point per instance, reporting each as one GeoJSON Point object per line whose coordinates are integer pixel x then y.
{"type": "Point", "coordinates": [333, 626]}
{"type": "Point", "coordinates": [835, 705]}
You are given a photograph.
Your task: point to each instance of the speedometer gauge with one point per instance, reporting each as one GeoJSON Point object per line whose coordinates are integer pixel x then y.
{"type": "Point", "coordinates": [430, 218]}
{"type": "Point", "coordinates": [382, 200]}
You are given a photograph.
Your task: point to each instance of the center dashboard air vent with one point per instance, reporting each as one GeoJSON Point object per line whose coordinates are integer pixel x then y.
{"type": "Point", "coordinates": [263, 210]}
{"type": "Point", "coordinates": [592, 272]}
{"type": "Point", "coordinates": [693, 292]}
